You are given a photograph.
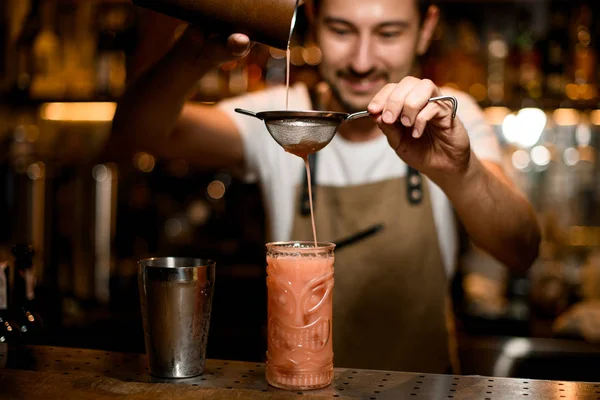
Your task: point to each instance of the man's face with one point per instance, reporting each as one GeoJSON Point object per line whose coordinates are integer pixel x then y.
{"type": "Point", "coordinates": [365, 45]}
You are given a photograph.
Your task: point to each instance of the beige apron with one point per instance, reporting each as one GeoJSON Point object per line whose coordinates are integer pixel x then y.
{"type": "Point", "coordinates": [390, 288]}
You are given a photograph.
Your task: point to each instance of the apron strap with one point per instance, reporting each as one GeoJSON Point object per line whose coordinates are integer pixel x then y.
{"type": "Point", "coordinates": [305, 200]}
{"type": "Point", "coordinates": [414, 186]}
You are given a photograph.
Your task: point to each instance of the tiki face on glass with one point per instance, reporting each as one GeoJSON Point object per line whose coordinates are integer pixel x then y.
{"type": "Point", "coordinates": [300, 294]}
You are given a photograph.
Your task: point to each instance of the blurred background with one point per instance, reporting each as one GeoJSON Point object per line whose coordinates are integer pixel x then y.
{"type": "Point", "coordinates": [531, 64]}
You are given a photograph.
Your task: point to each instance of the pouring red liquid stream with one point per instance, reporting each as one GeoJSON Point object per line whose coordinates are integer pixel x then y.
{"type": "Point", "coordinates": [301, 150]}
{"type": "Point", "coordinates": [287, 77]}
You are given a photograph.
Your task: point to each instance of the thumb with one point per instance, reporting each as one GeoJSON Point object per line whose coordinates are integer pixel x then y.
{"type": "Point", "coordinates": [238, 44]}
{"type": "Point", "coordinates": [223, 47]}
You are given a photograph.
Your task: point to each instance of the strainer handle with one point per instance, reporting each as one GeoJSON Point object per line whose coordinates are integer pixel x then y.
{"type": "Point", "coordinates": [451, 99]}
{"type": "Point", "coordinates": [356, 115]}
{"type": "Point", "coordinates": [246, 112]}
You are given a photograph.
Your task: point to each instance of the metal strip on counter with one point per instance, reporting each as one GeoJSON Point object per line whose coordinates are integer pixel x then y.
{"type": "Point", "coordinates": [348, 383]}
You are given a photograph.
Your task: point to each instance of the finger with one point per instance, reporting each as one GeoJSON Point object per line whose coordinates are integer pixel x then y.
{"type": "Point", "coordinates": [417, 99]}
{"type": "Point", "coordinates": [238, 44]}
{"type": "Point", "coordinates": [378, 101]}
{"type": "Point", "coordinates": [394, 133]}
{"type": "Point", "coordinates": [425, 115]}
{"type": "Point", "coordinates": [437, 110]}
{"type": "Point", "coordinates": [395, 102]}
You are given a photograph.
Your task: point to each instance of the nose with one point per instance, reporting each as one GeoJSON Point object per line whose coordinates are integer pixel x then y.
{"type": "Point", "coordinates": [363, 60]}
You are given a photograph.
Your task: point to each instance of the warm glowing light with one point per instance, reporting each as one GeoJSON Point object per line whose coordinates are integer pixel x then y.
{"type": "Point", "coordinates": [498, 48]}
{"type": "Point", "coordinates": [36, 171]}
{"type": "Point", "coordinates": [276, 53]}
{"type": "Point", "coordinates": [571, 156]}
{"type": "Point", "coordinates": [496, 92]}
{"type": "Point", "coordinates": [495, 115]}
{"type": "Point", "coordinates": [587, 92]}
{"type": "Point", "coordinates": [525, 128]}
{"type": "Point", "coordinates": [584, 37]}
{"type": "Point", "coordinates": [510, 128]}
{"type": "Point", "coordinates": [571, 91]}
{"type": "Point", "coordinates": [296, 56]}
{"type": "Point", "coordinates": [100, 173]}
{"type": "Point", "coordinates": [478, 91]}
{"type": "Point", "coordinates": [595, 117]}
{"type": "Point", "coordinates": [216, 190]}
{"type": "Point", "coordinates": [520, 159]}
{"type": "Point", "coordinates": [583, 134]}
{"type": "Point", "coordinates": [93, 112]}
{"type": "Point", "coordinates": [565, 117]}
{"type": "Point", "coordinates": [540, 155]}
{"type": "Point", "coordinates": [144, 162]}
{"type": "Point", "coordinates": [198, 212]}
{"type": "Point", "coordinates": [312, 55]}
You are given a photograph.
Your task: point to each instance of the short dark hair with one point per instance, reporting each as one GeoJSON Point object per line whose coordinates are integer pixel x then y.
{"type": "Point", "coordinates": [422, 5]}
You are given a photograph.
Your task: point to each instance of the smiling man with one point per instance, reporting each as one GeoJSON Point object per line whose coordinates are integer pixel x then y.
{"type": "Point", "coordinates": [361, 55]}
{"type": "Point", "coordinates": [410, 168]}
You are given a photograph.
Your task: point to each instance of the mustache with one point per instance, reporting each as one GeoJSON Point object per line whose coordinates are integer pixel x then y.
{"type": "Point", "coordinates": [349, 73]}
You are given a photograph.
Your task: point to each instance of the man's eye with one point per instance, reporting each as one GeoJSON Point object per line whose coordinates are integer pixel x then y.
{"type": "Point", "coordinates": [340, 31]}
{"type": "Point", "coordinates": [389, 34]}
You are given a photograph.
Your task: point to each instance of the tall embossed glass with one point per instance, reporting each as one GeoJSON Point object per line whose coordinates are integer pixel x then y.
{"type": "Point", "coordinates": [300, 307]}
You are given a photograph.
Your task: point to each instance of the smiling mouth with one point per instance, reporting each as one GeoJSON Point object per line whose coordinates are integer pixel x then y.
{"type": "Point", "coordinates": [364, 85]}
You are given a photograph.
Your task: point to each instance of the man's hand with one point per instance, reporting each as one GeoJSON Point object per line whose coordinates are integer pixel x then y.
{"type": "Point", "coordinates": [497, 217]}
{"type": "Point", "coordinates": [423, 133]}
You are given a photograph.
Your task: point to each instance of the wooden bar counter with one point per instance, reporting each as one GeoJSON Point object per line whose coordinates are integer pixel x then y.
{"type": "Point", "coordinates": [41, 372]}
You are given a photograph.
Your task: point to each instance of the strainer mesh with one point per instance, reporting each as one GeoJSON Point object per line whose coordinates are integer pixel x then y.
{"type": "Point", "coordinates": [291, 131]}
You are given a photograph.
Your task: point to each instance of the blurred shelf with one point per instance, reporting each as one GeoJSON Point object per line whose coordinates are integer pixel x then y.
{"type": "Point", "coordinates": [15, 102]}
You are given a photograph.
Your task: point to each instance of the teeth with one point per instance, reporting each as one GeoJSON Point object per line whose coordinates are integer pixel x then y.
{"type": "Point", "coordinates": [310, 337]}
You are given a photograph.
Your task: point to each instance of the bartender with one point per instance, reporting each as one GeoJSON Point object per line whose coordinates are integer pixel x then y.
{"type": "Point", "coordinates": [408, 170]}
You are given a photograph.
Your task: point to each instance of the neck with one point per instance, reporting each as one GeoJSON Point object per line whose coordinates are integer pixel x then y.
{"type": "Point", "coordinates": [358, 130]}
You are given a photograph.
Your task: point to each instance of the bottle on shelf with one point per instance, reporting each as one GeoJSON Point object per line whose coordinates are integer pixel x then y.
{"type": "Point", "coordinates": [47, 81]}
{"type": "Point", "coordinates": [9, 333]}
{"type": "Point", "coordinates": [114, 29]}
{"type": "Point", "coordinates": [24, 63]}
{"type": "Point", "coordinates": [527, 59]}
{"type": "Point", "coordinates": [582, 86]}
{"type": "Point", "coordinates": [24, 307]}
{"type": "Point", "coordinates": [555, 54]}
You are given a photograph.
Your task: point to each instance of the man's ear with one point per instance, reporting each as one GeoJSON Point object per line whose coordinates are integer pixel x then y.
{"type": "Point", "coordinates": [428, 26]}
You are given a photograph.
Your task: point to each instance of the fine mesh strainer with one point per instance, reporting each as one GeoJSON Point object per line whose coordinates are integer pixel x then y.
{"type": "Point", "coordinates": [305, 132]}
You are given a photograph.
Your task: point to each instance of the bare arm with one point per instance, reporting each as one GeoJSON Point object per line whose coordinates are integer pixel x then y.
{"type": "Point", "coordinates": [497, 217]}
{"type": "Point", "coordinates": [152, 114]}
{"type": "Point", "coordinates": [426, 136]}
